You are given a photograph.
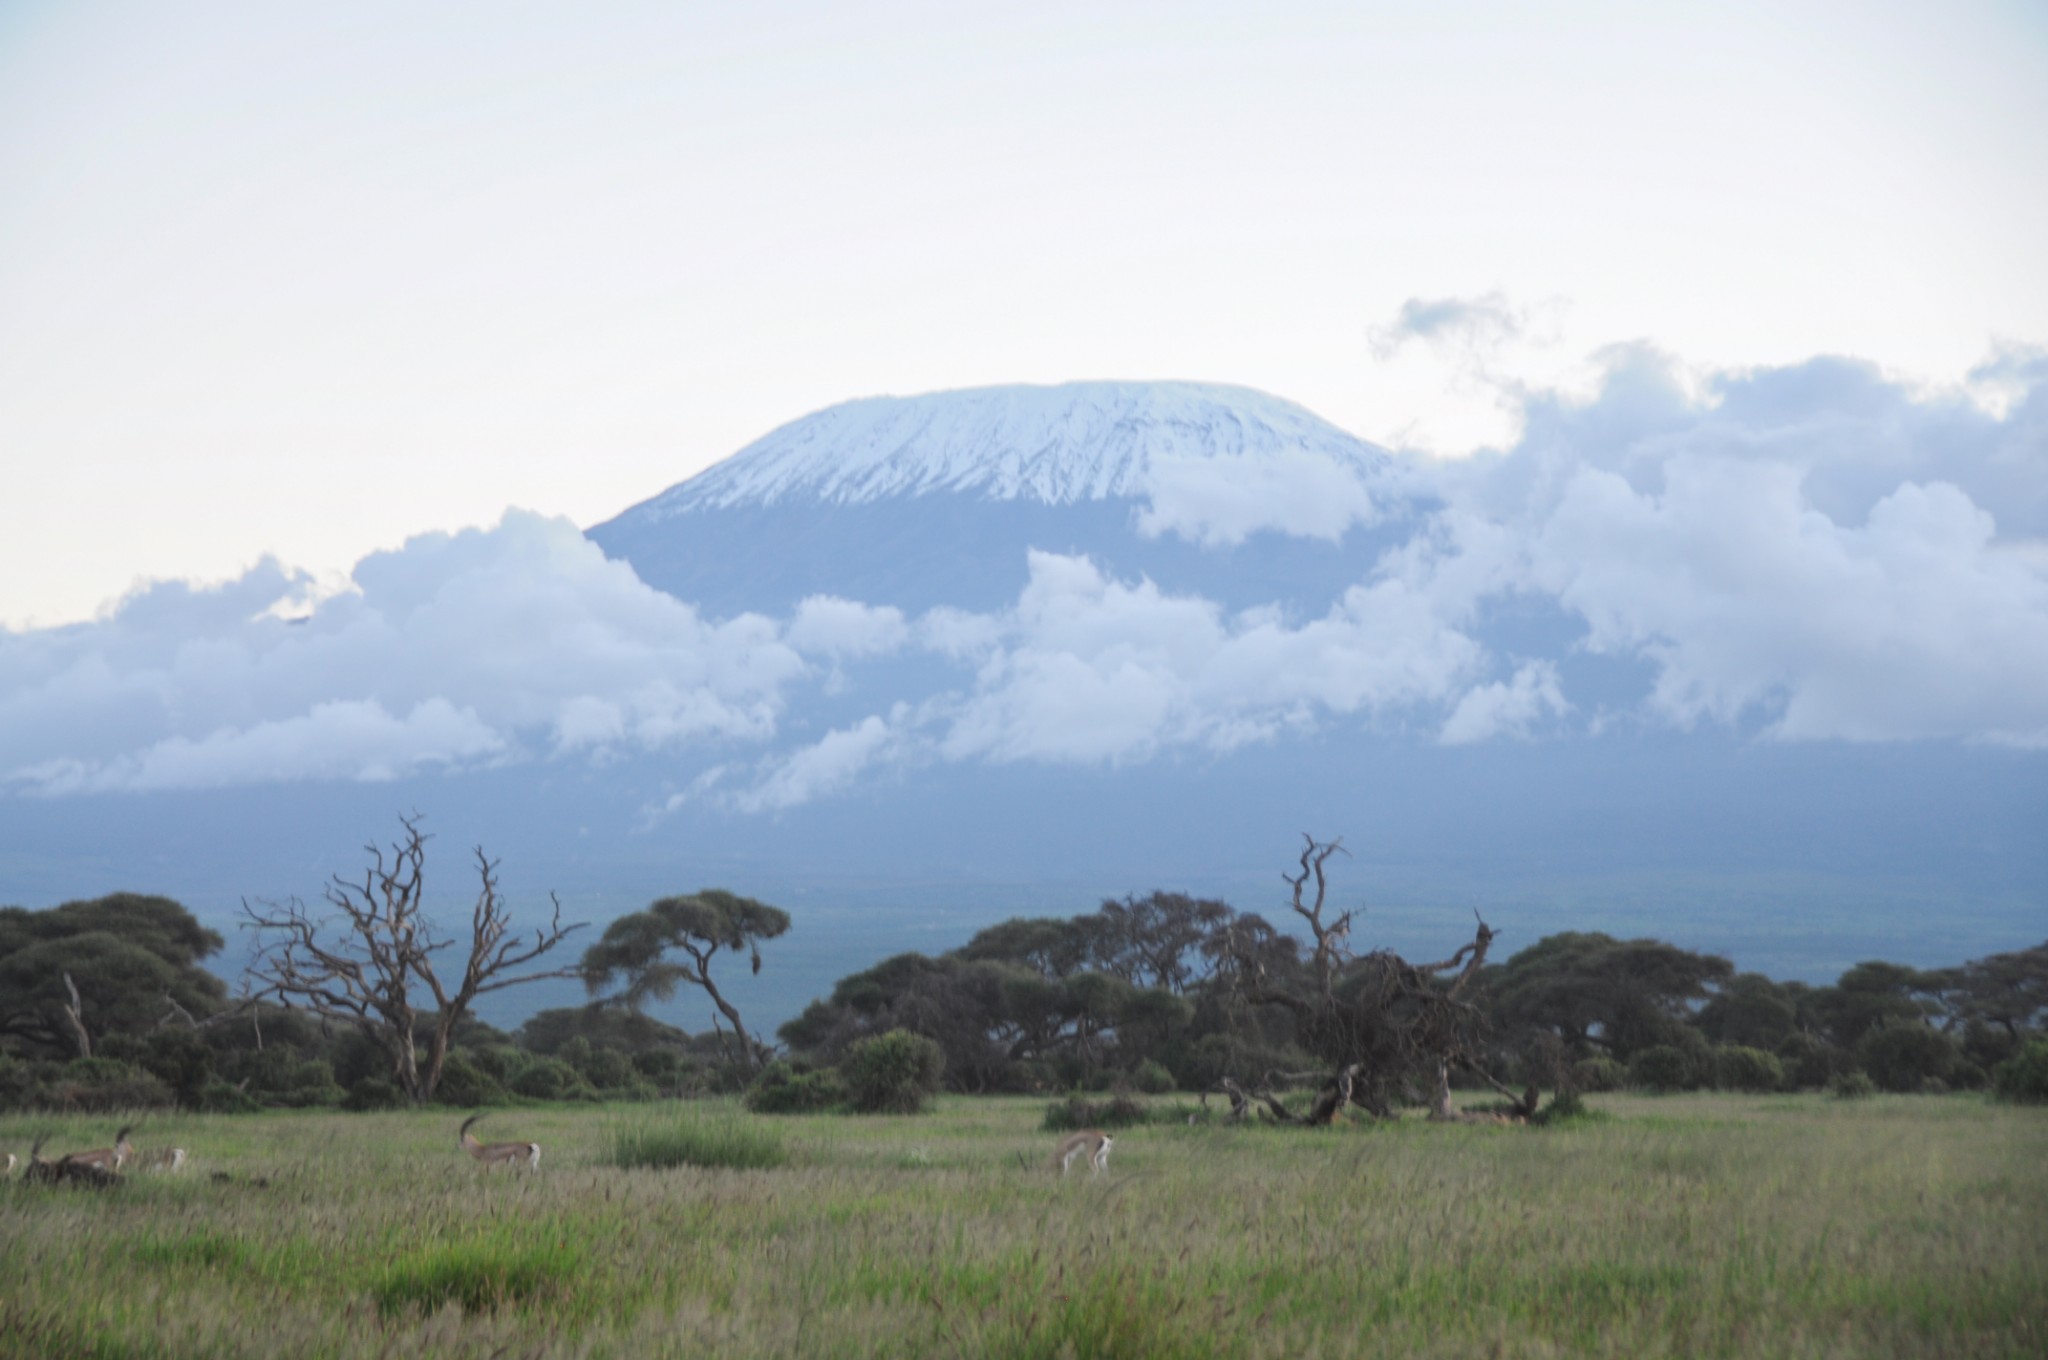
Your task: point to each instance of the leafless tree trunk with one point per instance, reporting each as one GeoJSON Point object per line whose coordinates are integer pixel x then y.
{"type": "Point", "coordinates": [74, 1019]}
{"type": "Point", "coordinates": [371, 962]}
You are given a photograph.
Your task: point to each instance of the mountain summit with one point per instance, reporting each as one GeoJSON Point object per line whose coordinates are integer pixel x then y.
{"type": "Point", "coordinates": [1056, 445]}
{"type": "Point", "coordinates": [938, 499]}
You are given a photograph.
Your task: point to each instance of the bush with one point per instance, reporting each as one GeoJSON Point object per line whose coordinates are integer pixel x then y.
{"type": "Point", "coordinates": [893, 1073]}
{"type": "Point", "coordinates": [1810, 1062]}
{"type": "Point", "coordinates": [1662, 1069]}
{"type": "Point", "coordinates": [791, 1088]}
{"type": "Point", "coordinates": [465, 1083]}
{"type": "Point", "coordinates": [220, 1098]}
{"type": "Point", "coordinates": [664, 1067]}
{"type": "Point", "coordinates": [499, 1062]}
{"type": "Point", "coordinates": [1567, 1103]}
{"type": "Point", "coordinates": [17, 1080]}
{"type": "Point", "coordinates": [685, 1138]}
{"type": "Point", "coordinates": [1904, 1057]}
{"type": "Point", "coordinates": [1075, 1113]}
{"type": "Point", "coordinates": [373, 1093]}
{"type": "Point", "coordinates": [102, 1084]}
{"type": "Point", "coordinates": [1152, 1078]}
{"type": "Point", "coordinates": [607, 1069]}
{"type": "Point", "coordinates": [1594, 1075]}
{"type": "Point", "coordinates": [1737, 1068]}
{"type": "Point", "coordinates": [281, 1076]}
{"type": "Point", "coordinates": [550, 1079]}
{"type": "Point", "coordinates": [2024, 1076]}
{"type": "Point", "coordinates": [1852, 1086]}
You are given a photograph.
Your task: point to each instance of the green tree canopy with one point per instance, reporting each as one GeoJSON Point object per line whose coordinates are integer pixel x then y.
{"type": "Point", "coordinates": [1592, 990]}
{"type": "Point", "coordinates": [634, 954]}
{"type": "Point", "coordinates": [131, 956]}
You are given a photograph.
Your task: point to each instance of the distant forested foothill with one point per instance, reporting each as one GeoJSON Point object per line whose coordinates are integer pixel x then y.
{"type": "Point", "coordinates": [105, 1004]}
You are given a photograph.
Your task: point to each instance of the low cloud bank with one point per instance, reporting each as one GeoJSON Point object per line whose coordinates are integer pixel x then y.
{"type": "Point", "coordinates": [1811, 552]}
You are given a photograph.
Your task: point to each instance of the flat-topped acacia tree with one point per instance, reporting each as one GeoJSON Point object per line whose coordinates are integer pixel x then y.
{"type": "Point", "coordinates": [634, 952]}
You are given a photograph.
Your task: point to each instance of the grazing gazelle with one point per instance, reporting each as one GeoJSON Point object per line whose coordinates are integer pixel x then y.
{"type": "Point", "coordinates": [1094, 1143]}
{"type": "Point", "coordinates": [498, 1154]}
{"type": "Point", "coordinates": [107, 1159]}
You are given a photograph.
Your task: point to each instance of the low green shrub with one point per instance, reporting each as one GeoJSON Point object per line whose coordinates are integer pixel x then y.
{"type": "Point", "coordinates": [893, 1073]}
{"type": "Point", "coordinates": [1567, 1103]}
{"type": "Point", "coordinates": [1076, 1113]}
{"type": "Point", "coordinates": [1902, 1057]}
{"type": "Point", "coordinates": [2024, 1076]}
{"type": "Point", "coordinates": [1852, 1086]}
{"type": "Point", "coordinates": [373, 1093]}
{"type": "Point", "coordinates": [467, 1083]}
{"type": "Point", "coordinates": [1737, 1068]}
{"type": "Point", "coordinates": [791, 1088]}
{"type": "Point", "coordinates": [1662, 1069]}
{"type": "Point", "coordinates": [1596, 1075]}
{"type": "Point", "coordinates": [677, 1137]}
{"type": "Point", "coordinates": [100, 1085]}
{"type": "Point", "coordinates": [550, 1079]}
{"type": "Point", "coordinates": [1810, 1062]}
{"type": "Point", "coordinates": [1152, 1078]}
{"type": "Point", "coordinates": [218, 1097]}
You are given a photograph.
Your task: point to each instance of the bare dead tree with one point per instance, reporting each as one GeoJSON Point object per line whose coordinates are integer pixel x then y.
{"type": "Point", "coordinates": [74, 1019]}
{"type": "Point", "coordinates": [370, 962]}
{"type": "Point", "coordinates": [1382, 1023]}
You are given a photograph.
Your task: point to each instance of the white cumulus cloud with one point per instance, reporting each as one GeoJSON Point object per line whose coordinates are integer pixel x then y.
{"type": "Point", "coordinates": [484, 645]}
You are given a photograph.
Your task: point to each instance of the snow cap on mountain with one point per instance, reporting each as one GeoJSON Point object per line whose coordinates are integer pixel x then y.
{"type": "Point", "coordinates": [1056, 445]}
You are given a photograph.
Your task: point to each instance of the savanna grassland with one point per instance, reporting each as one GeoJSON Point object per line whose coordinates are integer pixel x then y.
{"type": "Point", "coordinates": [1685, 1225]}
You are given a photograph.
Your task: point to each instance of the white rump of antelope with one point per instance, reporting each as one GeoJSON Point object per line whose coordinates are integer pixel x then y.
{"type": "Point", "coordinates": [1094, 1144]}
{"type": "Point", "coordinates": [162, 1159]}
{"type": "Point", "coordinates": [498, 1154]}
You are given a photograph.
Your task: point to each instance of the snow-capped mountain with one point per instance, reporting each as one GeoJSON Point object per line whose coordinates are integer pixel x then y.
{"type": "Point", "coordinates": [1707, 670]}
{"type": "Point", "coordinates": [939, 499]}
{"type": "Point", "coordinates": [1055, 445]}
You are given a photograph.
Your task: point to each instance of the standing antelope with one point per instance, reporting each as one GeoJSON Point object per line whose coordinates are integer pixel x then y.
{"type": "Point", "coordinates": [498, 1154]}
{"type": "Point", "coordinates": [107, 1159]}
{"type": "Point", "coordinates": [1094, 1142]}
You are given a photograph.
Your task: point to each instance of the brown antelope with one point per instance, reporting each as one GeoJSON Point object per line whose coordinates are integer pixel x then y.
{"type": "Point", "coordinates": [1093, 1143]}
{"type": "Point", "coordinates": [66, 1170]}
{"type": "Point", "coordinates": [498, 1154]}
{"type": "Point", "coordinates": [106, 1159]}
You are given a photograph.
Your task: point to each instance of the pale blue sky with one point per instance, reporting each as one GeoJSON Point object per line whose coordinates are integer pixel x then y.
{"type": "Point", "coordinates": [279, 280]}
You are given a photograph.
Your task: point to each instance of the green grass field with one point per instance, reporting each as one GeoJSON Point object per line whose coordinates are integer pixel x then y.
{"type": "Point", "coordinates": [1700, 1225]}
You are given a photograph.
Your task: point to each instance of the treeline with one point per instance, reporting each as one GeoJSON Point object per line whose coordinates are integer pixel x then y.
{"type": "Point", "coordinates": [106, 1004]}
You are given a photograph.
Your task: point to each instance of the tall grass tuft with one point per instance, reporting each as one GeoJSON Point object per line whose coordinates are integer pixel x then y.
{"type": "Point", "coordinates": [481, 1277]}
{"type": "Point", "coordinates": [1117, 1314]}
{"type": "Point", "coordinates": [681, 1136]}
